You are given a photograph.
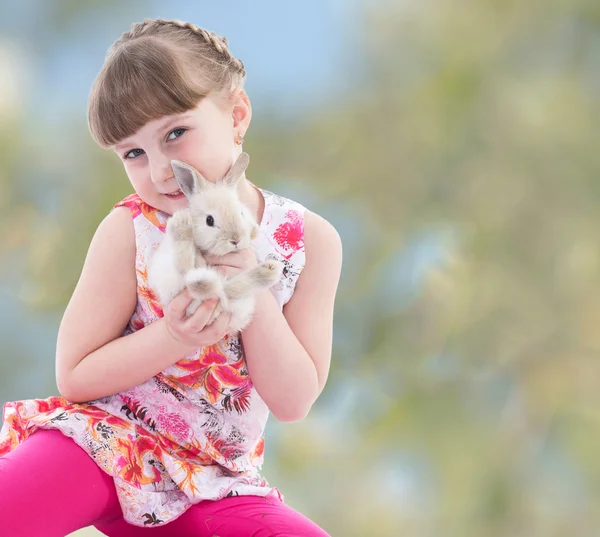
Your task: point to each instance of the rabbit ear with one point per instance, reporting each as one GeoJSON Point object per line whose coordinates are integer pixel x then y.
{"type": "Point", "coordinates": [189, 179]}
{"type": "Point", "coordinates": [237, 169]}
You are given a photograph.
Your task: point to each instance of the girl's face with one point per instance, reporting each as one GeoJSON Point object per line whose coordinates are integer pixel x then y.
{"type": "Point", "coordinates": [203, 137]}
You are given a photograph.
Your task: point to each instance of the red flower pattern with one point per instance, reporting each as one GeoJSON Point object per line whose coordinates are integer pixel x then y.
{"type": "Point", "coordinates": [290, 234]}
{"type": "Point", "coordinates": [211, 371]}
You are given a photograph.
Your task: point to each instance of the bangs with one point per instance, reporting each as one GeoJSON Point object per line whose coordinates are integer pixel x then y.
{"type": "Point", "coordinates": [142, 81]}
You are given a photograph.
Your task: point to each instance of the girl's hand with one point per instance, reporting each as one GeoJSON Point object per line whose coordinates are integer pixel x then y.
{"type": "Point", "coordinates": [192, 331]}
{"type": "Point", "coordinates": [232, 263]}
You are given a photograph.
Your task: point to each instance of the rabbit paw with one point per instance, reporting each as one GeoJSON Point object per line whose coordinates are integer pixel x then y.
{"type": "Point", "coordinates": [269, 272]}
{"type": "Point", "coordinates": [204, 283]}
{"type": "Point", "coordinates": [180, 225]}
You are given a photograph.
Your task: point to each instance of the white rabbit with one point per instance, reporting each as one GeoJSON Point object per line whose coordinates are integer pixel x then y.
{"type": "Point", "coordinates": [215, 222]}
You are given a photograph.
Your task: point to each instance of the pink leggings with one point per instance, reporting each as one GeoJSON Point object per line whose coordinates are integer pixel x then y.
{"type": "Point", "coordinates": [50, 487]}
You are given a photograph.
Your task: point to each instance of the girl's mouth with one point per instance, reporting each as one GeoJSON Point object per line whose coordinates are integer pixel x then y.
{"type": "Point", "coordinates": [175, 195]}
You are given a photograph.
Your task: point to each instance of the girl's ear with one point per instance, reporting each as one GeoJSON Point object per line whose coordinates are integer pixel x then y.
{"type": "Point", "coordinates": [189, 179]}
{"type": "Point", "coordinates": [241, 110]}
{"type": "Point", "coordinates": [237, 170]}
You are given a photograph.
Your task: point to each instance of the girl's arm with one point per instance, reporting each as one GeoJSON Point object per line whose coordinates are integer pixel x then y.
{"type": "Point", "coordinates": [288, 354]}
{"type": "Point", "coordinates": [93, 360]}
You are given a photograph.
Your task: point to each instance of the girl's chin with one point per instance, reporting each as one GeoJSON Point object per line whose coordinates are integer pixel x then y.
{"type": "Point", "coordinates": [172, 204]}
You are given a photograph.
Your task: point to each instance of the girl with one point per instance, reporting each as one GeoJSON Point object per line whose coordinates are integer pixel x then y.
{"type": "Point", "coordinates": [161, 420]}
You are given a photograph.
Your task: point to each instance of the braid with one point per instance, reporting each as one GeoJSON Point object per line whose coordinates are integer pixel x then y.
{"type": "Point", "coordinates": [165, 67]}
{"type": "Point", "coordinates": [156, 26]}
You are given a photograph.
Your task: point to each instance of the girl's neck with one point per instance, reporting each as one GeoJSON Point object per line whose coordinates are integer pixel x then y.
{"type": "Point", "coordinates": [252, 198]}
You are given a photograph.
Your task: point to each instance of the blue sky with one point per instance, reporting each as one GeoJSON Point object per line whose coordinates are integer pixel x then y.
{"type": "Point", "coordinates": [295, 53]}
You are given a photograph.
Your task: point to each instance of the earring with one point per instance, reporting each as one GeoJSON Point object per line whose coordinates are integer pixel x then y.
{"type": "Point", "coordinates": [239, 140]}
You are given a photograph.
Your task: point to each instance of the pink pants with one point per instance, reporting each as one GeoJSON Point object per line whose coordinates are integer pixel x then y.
{"type": "Point", "coordinates": [50, 487]}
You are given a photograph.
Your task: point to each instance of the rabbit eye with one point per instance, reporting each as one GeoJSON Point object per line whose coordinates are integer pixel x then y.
{"type": "Point", "coordinates": [210, 221]}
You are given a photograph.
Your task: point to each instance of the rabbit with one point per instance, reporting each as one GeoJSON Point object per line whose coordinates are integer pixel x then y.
{"type": "Point", "coordinates": [215, 222]}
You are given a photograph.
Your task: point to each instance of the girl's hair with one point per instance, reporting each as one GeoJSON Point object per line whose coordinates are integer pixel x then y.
{"type": "Point", "coordinates": [158, 68]}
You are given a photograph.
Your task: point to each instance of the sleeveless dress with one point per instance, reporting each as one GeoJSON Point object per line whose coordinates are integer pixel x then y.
{"type": "Point", "coordinates": [193, 432]}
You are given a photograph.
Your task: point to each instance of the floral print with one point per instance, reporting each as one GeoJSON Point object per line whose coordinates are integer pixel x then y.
{"type": "Point", "coordinates": [193, 432]}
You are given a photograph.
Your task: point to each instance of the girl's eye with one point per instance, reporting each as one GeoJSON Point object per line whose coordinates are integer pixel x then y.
{"type": "Point", "coordinates": [135, 152]}
{"type": "Point", "coordinates": [178, 133]}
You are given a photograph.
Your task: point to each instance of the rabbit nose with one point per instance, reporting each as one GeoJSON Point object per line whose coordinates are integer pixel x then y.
{"type": "Point", "coordinates": [234, 242]}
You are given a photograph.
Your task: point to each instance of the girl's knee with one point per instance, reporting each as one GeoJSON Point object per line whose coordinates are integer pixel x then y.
{"type": "Point", "coordinates": [51, 486]}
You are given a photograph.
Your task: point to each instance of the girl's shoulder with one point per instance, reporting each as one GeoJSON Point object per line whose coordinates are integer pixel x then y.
{"type": "Point", "coordinates": [138, 207]}
{"type": "Point", "coordinates": [276, 201]}
{"type": "Point", "coordinates": [292, 220]}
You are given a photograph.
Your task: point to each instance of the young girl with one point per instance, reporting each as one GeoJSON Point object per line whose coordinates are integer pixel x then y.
{"type": "Point", "coordinates": [161, 420]}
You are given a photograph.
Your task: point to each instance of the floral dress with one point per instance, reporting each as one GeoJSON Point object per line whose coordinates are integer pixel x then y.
{"type": "Point", "coordinates": [193, 432]}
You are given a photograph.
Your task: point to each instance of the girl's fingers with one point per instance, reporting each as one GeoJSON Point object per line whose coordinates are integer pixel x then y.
{"type": "Point", "coordinates": [218, 328]}
{"type": "Point", "coordinates": [179, 304]}
{"type": "Point", "coordinates": [198, 320]}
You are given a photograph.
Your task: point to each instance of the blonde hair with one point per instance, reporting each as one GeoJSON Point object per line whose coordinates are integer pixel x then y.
{"type": "Point", "coordinates": [158, 68]}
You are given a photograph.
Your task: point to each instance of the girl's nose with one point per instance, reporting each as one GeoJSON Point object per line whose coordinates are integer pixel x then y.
{"type": "Point", "coordinates": [160, 170]}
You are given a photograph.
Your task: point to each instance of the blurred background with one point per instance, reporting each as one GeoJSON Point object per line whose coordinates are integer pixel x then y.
{"type": "Point", "coordinates": [454, 145]}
